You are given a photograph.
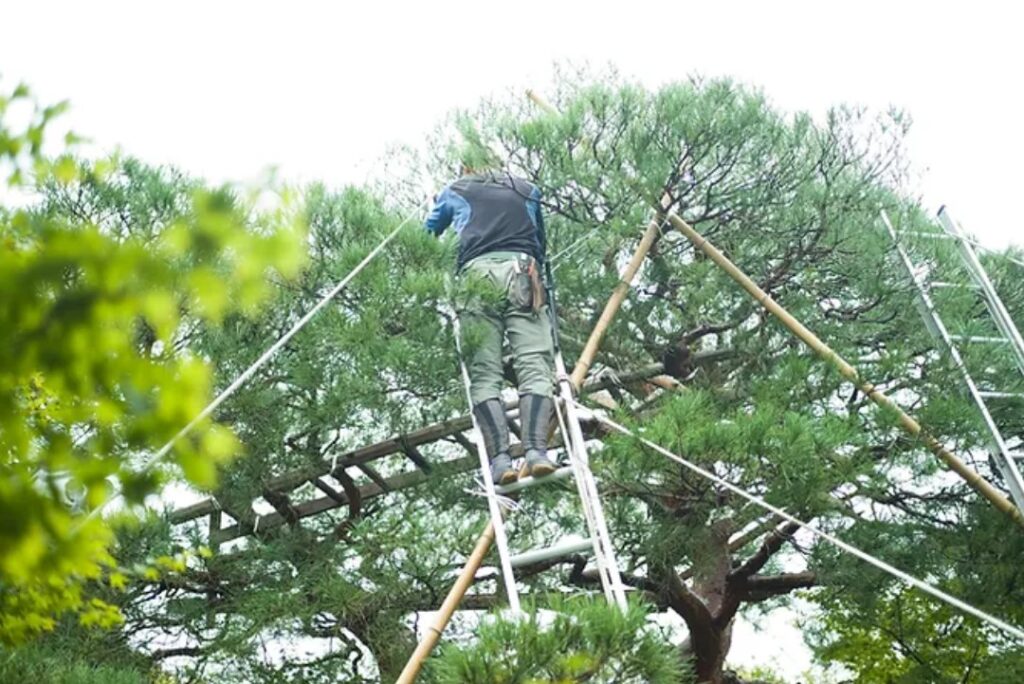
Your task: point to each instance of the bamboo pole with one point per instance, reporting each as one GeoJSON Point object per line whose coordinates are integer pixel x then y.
{"type": "Point", "coordinates": [541, 102]}
{"type": "Point", "coordinates": [451, 602]}
{"type": "Point", "coordinates": [586, 358]}
{"type": "Point", "coordinates": [911, 426]}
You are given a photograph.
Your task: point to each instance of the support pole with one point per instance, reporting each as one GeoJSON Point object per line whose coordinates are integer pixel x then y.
{"type": "Point", "coordinates": [911, 426]}
{"type": "Point", "coordinates": [586, 358]}
{"type": "Point", "coordinates": [451, 602]}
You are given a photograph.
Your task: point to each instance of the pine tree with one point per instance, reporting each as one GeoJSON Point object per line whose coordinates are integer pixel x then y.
{"type": "Point", "coordinates": [795, 202]}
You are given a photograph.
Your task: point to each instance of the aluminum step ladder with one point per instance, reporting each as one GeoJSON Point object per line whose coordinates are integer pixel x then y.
{"type": "Point", "coordinates": [598, 540]}
{"type": "Point", "coordinates": [1006, 453]}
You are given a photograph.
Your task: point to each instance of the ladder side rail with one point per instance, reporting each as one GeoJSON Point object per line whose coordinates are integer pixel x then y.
{"type": "Point", "coordinates": [497, 520]}
{"type": "Point", "coordinates": [604, 551]}
{"type": "Point", "coordinates": [995, 304]}
{"type": "Point", "coordinates": [589, 515]}
{"type": "Point", "coordinates": [604, 535]}
{"type": "Point", "coordinates": [1009, 467]}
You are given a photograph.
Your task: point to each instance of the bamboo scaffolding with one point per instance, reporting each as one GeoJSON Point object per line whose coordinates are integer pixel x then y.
{"type": "Point", "coordinates": [911, 426]}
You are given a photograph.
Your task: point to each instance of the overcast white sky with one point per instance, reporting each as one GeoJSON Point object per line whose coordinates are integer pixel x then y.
{"type": "Point", "coordinates": [226, 89]}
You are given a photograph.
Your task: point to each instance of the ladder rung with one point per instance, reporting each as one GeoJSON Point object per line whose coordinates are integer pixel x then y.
{"type": "Point", "coordinates": [943, 284]}
{"type": "Point", "coordinates": [1000, 395]}
{"type": "Point", "coordinates": [551, 552]}
{"type": "Point", "coordinates": [978, 339]}
{"type": "Point", "coordinates": [526, 482]}
{"type": "Point", "coordinates": [934, 236]}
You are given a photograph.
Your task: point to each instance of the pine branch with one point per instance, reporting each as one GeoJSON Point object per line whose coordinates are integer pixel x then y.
{"type": "Point", "coordinates": [770, 545]}
{"type": "Point", "coordinates": [755, 589]}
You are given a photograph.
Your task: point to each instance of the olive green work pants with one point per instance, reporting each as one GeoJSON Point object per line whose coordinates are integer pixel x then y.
{"type": "Point", "coordinates": [491, 308]}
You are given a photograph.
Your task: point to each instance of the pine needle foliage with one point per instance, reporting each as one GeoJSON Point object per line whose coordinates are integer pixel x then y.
{"type": "Point", "coordinates": [582, 640]}
{"type": "Point", "coordinates": [792, 199]}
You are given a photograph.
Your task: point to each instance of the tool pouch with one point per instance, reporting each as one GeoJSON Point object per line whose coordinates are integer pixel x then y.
{"type": "Point", "coordinates": [526, 291]}
{"type": "Point", "coordinates": [537, 285]}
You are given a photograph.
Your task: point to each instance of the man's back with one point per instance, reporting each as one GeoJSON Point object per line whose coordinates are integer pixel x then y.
{"type": "Point", "coordinates": [491, 212]}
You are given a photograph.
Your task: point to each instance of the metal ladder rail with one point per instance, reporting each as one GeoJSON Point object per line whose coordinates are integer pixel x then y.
{"type": "Point", "coordinates": [1005, 458]}
{"type": "Point", "coordinates": [994, 303]}
{"type": "Point", "coordinates": [604, 551]}
{"type": "Point", "coordinates": [604, 554]}
{"type": "Point", "coordinates": [572, 437]}
{"type": "Point", "coordinates": [500, 535]}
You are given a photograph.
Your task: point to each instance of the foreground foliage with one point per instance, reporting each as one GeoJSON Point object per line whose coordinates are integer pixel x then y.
{"type": "Point", "coordinates": [583, 641]}
{"type": "Point", "coordinates": [92, 378]}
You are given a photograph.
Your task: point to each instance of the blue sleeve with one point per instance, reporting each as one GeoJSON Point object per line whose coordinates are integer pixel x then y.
{"type": "Point", "coordinates": [440, 217]}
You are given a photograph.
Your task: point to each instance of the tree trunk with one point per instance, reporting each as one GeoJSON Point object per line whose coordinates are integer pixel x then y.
{"type": "Point", "coordinates": [718, 589]}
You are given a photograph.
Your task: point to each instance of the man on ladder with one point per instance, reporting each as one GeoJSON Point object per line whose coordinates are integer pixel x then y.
{"type": "Point", "coordinates": [501, 250]}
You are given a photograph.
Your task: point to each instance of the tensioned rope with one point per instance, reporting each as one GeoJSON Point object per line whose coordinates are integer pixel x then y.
{"type": "Point", "coordinates": [575, 246]}
{"type": "Point", "coordinates": [863, 555]}
{"type": "Point", "coordinates": [257, 364]}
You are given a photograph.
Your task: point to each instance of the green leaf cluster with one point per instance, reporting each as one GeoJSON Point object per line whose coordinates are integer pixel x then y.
{"type": "Point", "coordinates": [575, 641]}
{"type": "Point", "coordinates": [91, 381]}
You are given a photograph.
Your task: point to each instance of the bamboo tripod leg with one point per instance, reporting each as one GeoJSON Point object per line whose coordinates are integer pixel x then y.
{"type": "Point", "coordinates": [586, 358]}
{"type": "Point", "coordinates": [911, 426]}
{"type": "Point", "coordinates": [451, 602]}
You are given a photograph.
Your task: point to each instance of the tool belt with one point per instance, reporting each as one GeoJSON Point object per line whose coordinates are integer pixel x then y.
{"type": "Point", "coordinates": [527, 287]}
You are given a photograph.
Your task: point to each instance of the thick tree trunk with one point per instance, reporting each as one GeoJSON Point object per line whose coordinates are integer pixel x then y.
{"type": "Point", "coordinates": [388, 640]}
{"type": "Point", "coordinates": [710, 584]}
{"type": "Point", "coordinates": [711, 602]}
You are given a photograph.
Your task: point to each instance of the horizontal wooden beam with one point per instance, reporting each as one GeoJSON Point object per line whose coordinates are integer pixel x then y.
{"type": "Point", "coordinates": [363, 455]}
{"type": "Point", "coordinates": [368, 491]}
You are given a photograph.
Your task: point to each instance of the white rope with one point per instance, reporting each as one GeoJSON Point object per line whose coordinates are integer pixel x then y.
{"type": "Point", "coordinates": [256, 365]}
{"type": "Point", "coordinates": [507, 503]}
{"type": "Point", "coordinates": [864, 556]}
{"type": "Point", "coordinates": [556, 260]}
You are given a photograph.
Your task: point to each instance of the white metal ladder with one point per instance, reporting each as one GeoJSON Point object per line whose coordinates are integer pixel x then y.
{"type": "Point", "coordinates": [1007, 454]}
{"type": "Point", "coordinates": [599, 540]}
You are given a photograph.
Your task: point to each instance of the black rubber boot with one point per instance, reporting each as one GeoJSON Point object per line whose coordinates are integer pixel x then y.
{"type": "Point", "coordinates": [535, 411]}
{"type": "Point", "coordinates": [490, 417]}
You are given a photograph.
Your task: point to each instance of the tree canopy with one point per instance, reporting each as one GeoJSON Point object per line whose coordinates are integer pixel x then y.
{"type": "Point", "coordinates": [793, 200]}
